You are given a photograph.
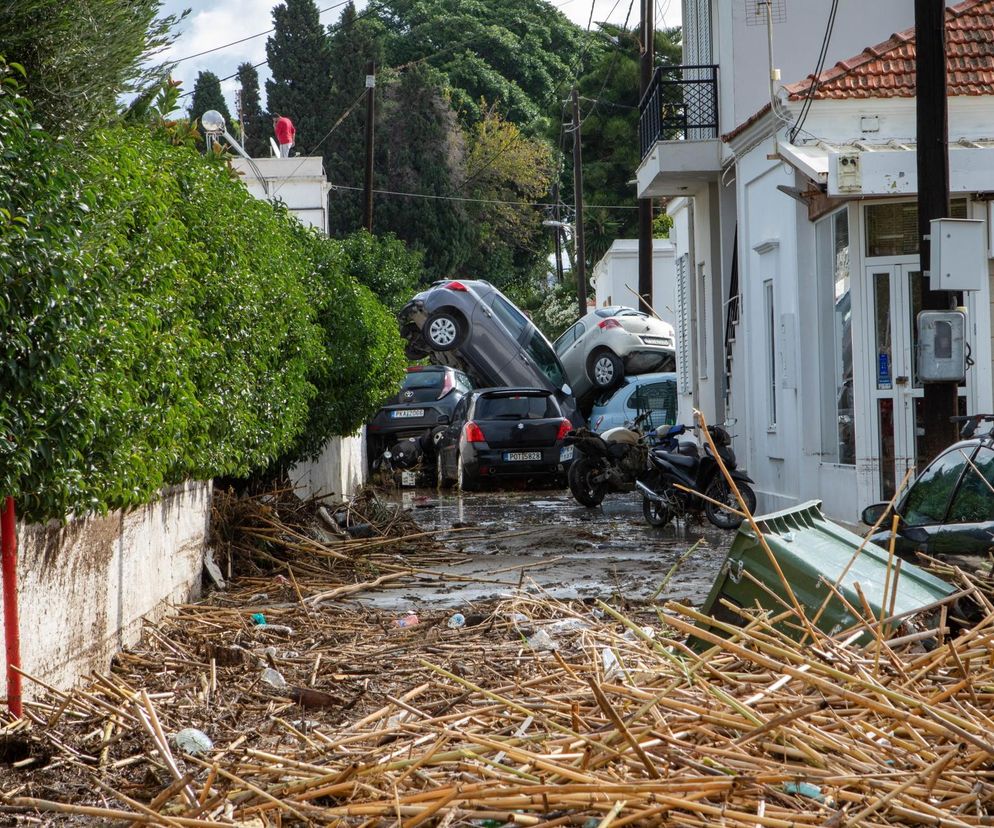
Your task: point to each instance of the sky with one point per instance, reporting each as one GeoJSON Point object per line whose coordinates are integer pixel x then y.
{"type": "Point", "coordinates": [212, 23]}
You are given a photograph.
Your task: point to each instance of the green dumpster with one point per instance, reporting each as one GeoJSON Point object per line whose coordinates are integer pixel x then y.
{"type": "Point", "coordinates": [813, 552]}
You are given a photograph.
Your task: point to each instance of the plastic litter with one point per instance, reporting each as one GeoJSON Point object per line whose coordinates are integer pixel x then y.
{"type": "Point", "coordinates": [541, 641]}
{"type": "Point", "coordinates": [258, 618]}
{"type": "Point", "coordinates": [275, 628]}
{"type": "Point", "coordinates": [568, 625]}
{"type": "Point", "coordinates": [409, 620]}
{"type": "Point", "coordinates": [273, 678]}
{"type": "Point", "coordinates": [456, 621]}
{"type": "Point", "coordinates": [648, 632]}
{"type": "Point", "coordinates": [609, 661]}
{"type": "Point", "coordinates": [805, 789]}
{"type": "Point", "coordinates": [193, 741]}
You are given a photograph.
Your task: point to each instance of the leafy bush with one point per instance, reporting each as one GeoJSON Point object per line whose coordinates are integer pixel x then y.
{"type": "Point", "coordinates": [162, 324]}
{"type": "Point", "coordinates": [385, 266]}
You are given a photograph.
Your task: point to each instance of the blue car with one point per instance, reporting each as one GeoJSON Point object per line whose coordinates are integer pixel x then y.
{"type": "Point", "coordinates": [654, 393]}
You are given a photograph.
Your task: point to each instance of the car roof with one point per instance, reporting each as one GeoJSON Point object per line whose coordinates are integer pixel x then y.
{"type": "Point", "coordinates": [642, 379]}
{"type": "Point", "coordinates": [508, 390]}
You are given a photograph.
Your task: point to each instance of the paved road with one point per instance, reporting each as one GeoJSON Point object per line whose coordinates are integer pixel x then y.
{"type": "Point", "coordinates": [544, 540]}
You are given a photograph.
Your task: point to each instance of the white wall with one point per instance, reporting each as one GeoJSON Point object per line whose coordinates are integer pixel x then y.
{"type": "Point", "coordinates": [338, 473]}
{"type": "Point", "coordinates": [616, 276]}
{"type": "Point", "coordinates": [298, 182]}
{"type": "Point", "coordinates": [85, 587]}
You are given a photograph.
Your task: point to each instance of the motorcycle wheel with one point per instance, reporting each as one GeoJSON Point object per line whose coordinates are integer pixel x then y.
{"type": "Point", "coordinates": [588, 492]}
{"type": "Point", "coordinates": [720, 490]}
{"type": "Point", "coordinates": [656, 513]}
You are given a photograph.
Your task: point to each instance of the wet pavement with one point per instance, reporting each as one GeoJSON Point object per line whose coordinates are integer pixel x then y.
{"type": "Point", "coordinates": [544, 541]}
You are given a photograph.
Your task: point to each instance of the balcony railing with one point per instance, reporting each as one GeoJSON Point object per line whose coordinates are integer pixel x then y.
{"type": "Point", "coordinates": [681, 104]}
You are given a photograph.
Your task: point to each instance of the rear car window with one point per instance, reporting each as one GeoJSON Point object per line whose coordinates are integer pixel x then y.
{"type": "Point", "coordinates": [422, 379]}
{"type": "Point", "coordinates": [517, 407]}
{"type": "Point", "coordinates": [974, 499]}
{"type": "Point", "coordinates": [540, 351]}
{"type": "Point", "coordinates": [658, 398]}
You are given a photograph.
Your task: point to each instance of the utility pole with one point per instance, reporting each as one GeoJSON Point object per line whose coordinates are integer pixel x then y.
{"type": "Point", "coordinates": [646, 67]}
{"type": "Point", "coordinates": [370, 112]}
{"type": "Point", "coordinates": [580, 264]}
{"type": "Point", "coordinates": [241, 116]}
{"type": "Point", "coordinates": [558, 232]}
{"type": "Point", "coordinates": [941, 398]}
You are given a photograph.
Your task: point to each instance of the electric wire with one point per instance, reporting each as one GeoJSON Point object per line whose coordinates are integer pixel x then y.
{"type": "Point", "coordinates": [819, 68]}
{"type": "Point", "coordinates": [476, 200]}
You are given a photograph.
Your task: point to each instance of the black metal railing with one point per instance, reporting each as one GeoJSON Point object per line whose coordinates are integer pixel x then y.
{"type": "Point", "coordinates": [681, 104]}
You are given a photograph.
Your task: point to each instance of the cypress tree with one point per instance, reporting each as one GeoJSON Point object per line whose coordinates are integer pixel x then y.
{"type": "Point", "coordinates": [299, 60]}
{"type": "Point", "coordinates": [255, 124]}
{"type": "Point", "coordinates": [207, 95]}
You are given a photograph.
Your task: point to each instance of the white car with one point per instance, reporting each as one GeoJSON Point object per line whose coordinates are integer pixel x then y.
{"type": "Point", "coordinates": [611, 343]}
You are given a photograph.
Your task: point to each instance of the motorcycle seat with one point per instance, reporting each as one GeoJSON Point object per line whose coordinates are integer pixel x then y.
{"type": "Point", "coordinates": [677, 459]}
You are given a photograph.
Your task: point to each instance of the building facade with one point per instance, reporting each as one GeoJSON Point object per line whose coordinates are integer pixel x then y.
{"type": "Point", "coordinates": [615, 278]}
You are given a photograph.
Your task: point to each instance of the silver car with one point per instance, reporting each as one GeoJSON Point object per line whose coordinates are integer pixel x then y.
{"type": "Point", "coordinates": [470, 325]}
{"type": "Point", "coordinates": [611, 343]}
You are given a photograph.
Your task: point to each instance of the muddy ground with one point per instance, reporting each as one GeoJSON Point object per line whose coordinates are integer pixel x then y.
{"type": "Point", "coordinates": [544, 541]}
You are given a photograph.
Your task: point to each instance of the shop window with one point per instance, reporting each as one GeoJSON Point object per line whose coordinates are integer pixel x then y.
{"type": "Point", "coordinates": [892, 227]}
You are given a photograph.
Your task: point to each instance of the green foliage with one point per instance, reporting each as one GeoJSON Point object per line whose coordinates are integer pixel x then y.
{"type": "Point", "coordinates": [206, 96]}
{"type": "Point", "coordinates": [552, 308]}
{"type": "Point", "coordinates": [255, 124]}
{"type": "Point", "coordinates": [162, 324]}
{"type": "Point", "coordinates": [301, 86]}
{"type": "Point", "coordinates": [81, 56]}
{"type": "Point", "coordinates": [384, 265]}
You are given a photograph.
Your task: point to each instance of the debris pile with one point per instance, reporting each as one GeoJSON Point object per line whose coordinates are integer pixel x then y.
{"type": "Point", "coordinates": [530, 713]}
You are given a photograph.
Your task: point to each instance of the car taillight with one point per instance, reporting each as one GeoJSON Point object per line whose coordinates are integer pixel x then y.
{"type": "Point", "coordinates": [609, 323]}
{"type": "Point", "coordinates": [564, 428]}
{"type": "Point", "coordinates": [447, 386]}
{"type": "Point", "coordinates": [474, 434]}
{"type": "Point", "coordinates": [456, 286]}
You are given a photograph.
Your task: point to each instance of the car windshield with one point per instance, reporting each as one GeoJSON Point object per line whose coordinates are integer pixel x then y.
{"type": "Point", "coordinates": [974, 499]}
{"type": "Point", "coordinates": [422, 379]}
{"type": "Point", "coordinates": [540, 351]}
{"type": "Point", "coordinates": [516, 407]}
{"type": "Point", "coordinates": [928, 500]}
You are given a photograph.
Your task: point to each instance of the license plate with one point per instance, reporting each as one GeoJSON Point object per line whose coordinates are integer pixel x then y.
{"type": "Point", "coordinates": [656, 340]}
{"type": "Point", "coordinates": [565, 453]}
{"type": "Point", "coordinates": [408, 478]}
{"type": "Point", "coordinates": [515, 456]}
{"type": "Point", "coordinates": [401, 413]}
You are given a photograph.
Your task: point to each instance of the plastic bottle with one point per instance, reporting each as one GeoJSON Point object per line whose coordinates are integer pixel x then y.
{"type": "Point", "coordinates": [456, 621]}
{"type": "Point", "coordinates": [409, 620]}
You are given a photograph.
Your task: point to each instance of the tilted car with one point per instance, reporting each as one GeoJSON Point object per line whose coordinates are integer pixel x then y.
{"type": "Point", "coordinates": [949, 509]}
{"type": "Point", "coordinates": [611, 343]}
{"type": "Point", "coordinates": [652, 395]}
{"type": "Point", "coordinates": [427, 395]}
{"type": "Point", "coordinates": [504, 432]}
{"type": "Point", "coordinates": [470, 325]}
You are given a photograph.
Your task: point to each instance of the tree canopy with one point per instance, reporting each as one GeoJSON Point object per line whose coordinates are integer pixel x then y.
{"type": "Point", "coordinates": [254, 124]}
{"type": "Point", "coordinates": [206, 96]}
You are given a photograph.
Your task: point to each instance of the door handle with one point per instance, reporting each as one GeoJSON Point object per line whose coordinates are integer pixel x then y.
{"type": "Point", "coordinates": [900, 380]}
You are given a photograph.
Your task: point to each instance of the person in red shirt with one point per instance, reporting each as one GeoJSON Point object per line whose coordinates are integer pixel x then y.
{"type": "Point", "coordinates": [285, 133]}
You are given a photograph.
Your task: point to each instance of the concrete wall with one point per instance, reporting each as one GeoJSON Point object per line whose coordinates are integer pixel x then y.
{"type": "Point", "coordinates": [338, 473]}
{"type": "Point", "coordinates": [616, 276]}
{"type": "Point", "coordinates": [298, 182]}
{"type": "Point", "coordinates": [85, 587]}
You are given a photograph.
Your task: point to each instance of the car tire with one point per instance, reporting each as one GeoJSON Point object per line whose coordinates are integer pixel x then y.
{"type": "Point", "coordinates": [586, 492]}
{"type": "Point", "coordinates": [444, 331]}
{"type": "Point", "coordinates": [720, 490]}
{"type": "Point", "coordinates": [605, 370]}
{"type": "Point", "coordinates": [440, 476]}
{"type": "Point", "coordinates": [465, 482]}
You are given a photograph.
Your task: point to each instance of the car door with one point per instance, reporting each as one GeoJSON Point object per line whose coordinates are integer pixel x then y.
{"type": "Point", "coordinates": [968, 528]}
{"type": "Point", "coordinates": [519, 370]}
{"type": "Point", "coordinates": [924, 508]}
{"type": "Point", "coordinates": [571, 354]}
{"type": "Point", "coordinates": [493, 343]}
{"type": "Point", "coordinates": [448, 446]}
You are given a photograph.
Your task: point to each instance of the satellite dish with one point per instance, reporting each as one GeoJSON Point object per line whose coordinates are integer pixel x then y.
{"type": "Point", "coordinates": [212, 121]}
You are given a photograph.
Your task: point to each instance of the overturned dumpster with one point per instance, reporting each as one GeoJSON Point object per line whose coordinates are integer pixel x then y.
{"type": "Point", "coordinates": [839, 580]}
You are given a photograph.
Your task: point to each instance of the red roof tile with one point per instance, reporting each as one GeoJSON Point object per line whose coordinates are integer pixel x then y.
{"type": "Point", "coordinates": [887, 70]}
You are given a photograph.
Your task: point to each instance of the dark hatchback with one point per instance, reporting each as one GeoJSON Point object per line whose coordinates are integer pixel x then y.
{"type": "Point", "coordinates": [504, 432]}
{"type": "Point", "coordinates": [949, 510]}
{"type": "Point", "coordinates": [428, 394]}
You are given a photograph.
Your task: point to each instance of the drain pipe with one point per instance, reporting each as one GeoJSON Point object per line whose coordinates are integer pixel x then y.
{"type": "Point", "coordinates": [12, 635]}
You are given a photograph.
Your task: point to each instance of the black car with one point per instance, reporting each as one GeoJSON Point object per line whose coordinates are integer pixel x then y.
{"type": "Point", "coordinates": [427, 396]}
{"type": "Point", "coordinates": [504, 432]}
{"type": "Point", "coordinates": [470, 325]}
{"type": "Point", "coordinates": [949, 510]}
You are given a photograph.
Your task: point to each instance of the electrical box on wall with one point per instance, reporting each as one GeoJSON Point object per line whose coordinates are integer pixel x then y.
{"type": "Point", "coordinates": [959, 254]}
{"type": "Point", "coordinates": [941, 346]}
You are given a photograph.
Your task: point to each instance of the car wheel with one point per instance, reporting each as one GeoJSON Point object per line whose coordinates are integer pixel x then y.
{"type": "Point", "coordinates": [605, 370]}
{"type": "Point", "coordinates": [465, 482]}
{"type": "Point", "coordinates": [444, 331]}
{"type": "Point", "coordinates": [443, 480]}
{"type": "Point", "coordinates": [720, 490]}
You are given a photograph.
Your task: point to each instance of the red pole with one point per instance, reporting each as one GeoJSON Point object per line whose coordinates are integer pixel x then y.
{"type": "Point", "coordinates": [12, 633]}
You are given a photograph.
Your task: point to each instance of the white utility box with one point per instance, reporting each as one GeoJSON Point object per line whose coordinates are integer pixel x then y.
{"type": "Point", "coordinates": [959, 254]}
{"type": "Point", "coordinates": [941, 346]}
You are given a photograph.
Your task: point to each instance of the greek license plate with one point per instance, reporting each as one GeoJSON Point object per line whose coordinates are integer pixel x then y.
{"type": "Point", "coordinates": [565, 453]}
{"type": "Point", "coordinates": [401, 413]}
{"type": "Point", "coordinates": [513, 456]}
{"type": "Point", "coordinates": [408, 478]}
{"type": "Point", "coordinates": [655, 340]}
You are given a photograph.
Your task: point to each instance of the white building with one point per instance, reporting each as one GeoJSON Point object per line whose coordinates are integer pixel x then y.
{"type": "Point", "coordinates": [616, 277]}
{"type": "Point", "coordinates": [297, 182]}
{"type": "Point", "coordinates": [796, 282]}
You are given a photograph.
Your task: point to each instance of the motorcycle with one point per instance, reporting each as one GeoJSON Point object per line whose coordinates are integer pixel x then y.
{"type": "Point", "coordinates": [409, 453]}
{"type": "Point", "coordinates": [608, 462]}
{"type": "Point", "coordinates": [662, 501]}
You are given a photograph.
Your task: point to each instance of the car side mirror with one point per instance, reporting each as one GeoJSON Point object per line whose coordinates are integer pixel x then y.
{"type": "Point", "coordinates": [872, 515]}
{"type": "Point", "coordinates": [443, 419]}
{"type": "Point", "coordinates": [567, 390]}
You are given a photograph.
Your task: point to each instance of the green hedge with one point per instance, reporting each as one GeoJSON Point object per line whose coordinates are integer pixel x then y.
{"type": "Point", "coordinates": [160, 324]}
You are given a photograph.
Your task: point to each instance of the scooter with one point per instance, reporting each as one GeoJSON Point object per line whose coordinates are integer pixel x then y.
{"type": "Point", "coordinates": [662, 501]}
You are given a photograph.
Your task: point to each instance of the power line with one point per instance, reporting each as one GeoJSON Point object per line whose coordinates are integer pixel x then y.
{"type": "Point", "coordinates": [478, 200]}
{"type": "Point", "coordinates": [819, 67]}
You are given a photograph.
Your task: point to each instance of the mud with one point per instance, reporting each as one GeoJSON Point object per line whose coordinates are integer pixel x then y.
{"type": "Point", "coordinates": [544, 541]}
